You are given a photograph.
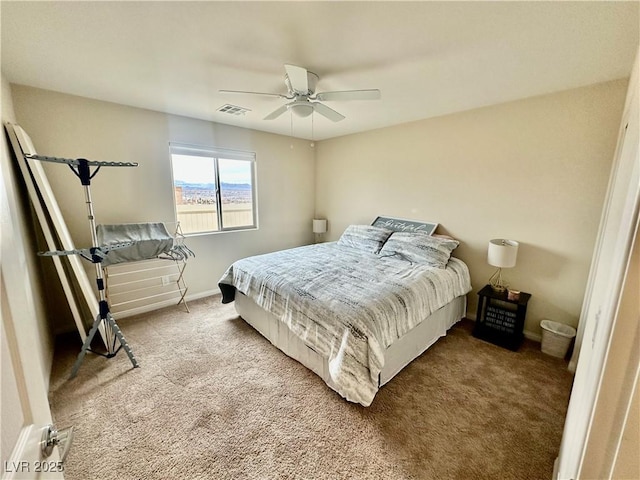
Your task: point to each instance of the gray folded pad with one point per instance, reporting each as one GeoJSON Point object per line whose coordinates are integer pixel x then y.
{"type": "Point", "coordinates": [151, 240]}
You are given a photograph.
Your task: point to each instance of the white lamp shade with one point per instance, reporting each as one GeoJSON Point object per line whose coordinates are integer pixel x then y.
{"type": "Point", "coordinates": [319, 225]}
{"type": "Point", "coordinates": [502, 253]}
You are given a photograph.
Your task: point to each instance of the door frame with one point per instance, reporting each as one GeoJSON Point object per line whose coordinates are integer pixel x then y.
{"type": "Point", "coordinates": [609, 266]}
{"type": "Point", "coordinates": [20, 321]}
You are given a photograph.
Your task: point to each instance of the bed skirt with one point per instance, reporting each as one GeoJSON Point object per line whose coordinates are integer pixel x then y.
{"type": "Point", "coordinates": [397, 356]}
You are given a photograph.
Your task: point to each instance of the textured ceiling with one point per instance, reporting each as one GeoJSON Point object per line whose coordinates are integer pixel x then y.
{"type": "Point", "coordinates": [427, 58]}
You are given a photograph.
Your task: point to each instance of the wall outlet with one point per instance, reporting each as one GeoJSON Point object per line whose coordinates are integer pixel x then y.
{"type": "Point", "coordinates": [166, 280]}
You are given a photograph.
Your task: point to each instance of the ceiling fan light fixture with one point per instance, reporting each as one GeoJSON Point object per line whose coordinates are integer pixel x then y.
{"type": "Point", "coordinates": [301, 110]}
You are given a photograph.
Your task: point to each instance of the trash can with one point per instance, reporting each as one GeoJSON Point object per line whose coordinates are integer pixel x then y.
{"type": "Point", "coordinates": [556, 338]}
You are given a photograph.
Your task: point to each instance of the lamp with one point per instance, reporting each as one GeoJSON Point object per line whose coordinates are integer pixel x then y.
{"type": "Point", "coordinates": [502, 254]}
{"type": "Point", "coordinates": [319, 226]}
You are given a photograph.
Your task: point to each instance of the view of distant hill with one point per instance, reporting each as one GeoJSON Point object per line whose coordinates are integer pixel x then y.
{"type": "Point", "coordinates": [204, 193]}
{"type": "Point", "coordinates": [211, 186]}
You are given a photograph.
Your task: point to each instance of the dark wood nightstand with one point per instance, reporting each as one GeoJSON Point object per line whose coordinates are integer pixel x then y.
{"type": "Point", "coordinates": [500, 320]}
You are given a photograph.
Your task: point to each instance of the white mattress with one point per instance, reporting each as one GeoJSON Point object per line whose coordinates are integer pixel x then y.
{"type": "Point", "coordinates": [397, 356]}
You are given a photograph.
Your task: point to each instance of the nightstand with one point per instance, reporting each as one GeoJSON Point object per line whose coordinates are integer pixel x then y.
{"type": "Point", "coordinates": [500, 320]}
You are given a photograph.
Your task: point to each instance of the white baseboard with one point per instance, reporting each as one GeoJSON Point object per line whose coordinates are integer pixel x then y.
{"type": "Point", "coordinates": [532, 336]}
{"type": "Point", "coordinates": [167, 303]}
{"type": "Point", "coordinates": [572, 366]}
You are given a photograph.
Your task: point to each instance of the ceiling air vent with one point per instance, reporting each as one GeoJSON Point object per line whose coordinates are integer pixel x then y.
{"type": "Point", "coordinates": [233, 110]}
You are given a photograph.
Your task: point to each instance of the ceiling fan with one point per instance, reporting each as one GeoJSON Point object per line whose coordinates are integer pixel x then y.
{"type": "Point", "coordinates": [301, 85]}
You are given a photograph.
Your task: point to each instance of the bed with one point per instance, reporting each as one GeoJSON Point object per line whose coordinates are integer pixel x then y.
{"type": "Point", "coordinates": [358, 310]}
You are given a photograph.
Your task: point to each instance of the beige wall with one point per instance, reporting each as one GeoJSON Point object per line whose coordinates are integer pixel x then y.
{"type": "Point", "coordinates": [534, 170]}
{"type": "Point", "coordinates": [75, 127]}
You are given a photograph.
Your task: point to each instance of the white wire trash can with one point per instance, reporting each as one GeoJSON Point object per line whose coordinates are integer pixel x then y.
{"type": "Point", "coordinates": [556, 338]}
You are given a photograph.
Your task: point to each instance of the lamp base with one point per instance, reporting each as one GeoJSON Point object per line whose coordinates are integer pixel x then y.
{"type": "Point", "coordinates": [496, 282]}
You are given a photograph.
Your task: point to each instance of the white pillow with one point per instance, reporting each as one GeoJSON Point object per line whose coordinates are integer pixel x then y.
{"type": "Point", "coordinates": [364, 237]}
{"type": "Point", "coordinates": [420, 248]}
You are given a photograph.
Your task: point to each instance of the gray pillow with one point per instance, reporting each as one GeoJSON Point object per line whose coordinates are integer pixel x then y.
{"type": "Point", "coordinates": [420, 248]}
{"type": "Point", "coordinates": [364, 237]}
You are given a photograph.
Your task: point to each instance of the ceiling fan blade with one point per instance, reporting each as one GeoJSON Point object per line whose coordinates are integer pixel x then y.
{"type": "Point", "coordinates": [255, 93]}
{"type": "Point", "coordinates": [372, 94]}
{"type": "Point", "coordinates": [276, 113]}
{"type": "Point", "coordinates": [327, 112]}
{"type": "Point", "coordinates": [298, 79]}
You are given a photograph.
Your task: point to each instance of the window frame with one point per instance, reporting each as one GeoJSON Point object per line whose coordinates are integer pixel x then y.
{"type": "Point", "coordinates": [217, 154]}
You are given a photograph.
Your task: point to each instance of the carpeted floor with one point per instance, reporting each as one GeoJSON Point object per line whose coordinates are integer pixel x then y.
{"type": "Point", "coordinates": [212, 399]}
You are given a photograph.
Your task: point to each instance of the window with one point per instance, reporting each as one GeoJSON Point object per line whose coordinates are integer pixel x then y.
{"type": "Point", "coordinates": [214, 189]}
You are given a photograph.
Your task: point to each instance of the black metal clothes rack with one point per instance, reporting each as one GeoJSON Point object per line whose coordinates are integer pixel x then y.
{"type": "Point", "coordinates": [95, 254]}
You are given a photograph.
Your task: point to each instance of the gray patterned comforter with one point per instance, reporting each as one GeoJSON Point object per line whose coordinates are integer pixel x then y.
{"type": "Point", "coordinates": [346, 304]}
